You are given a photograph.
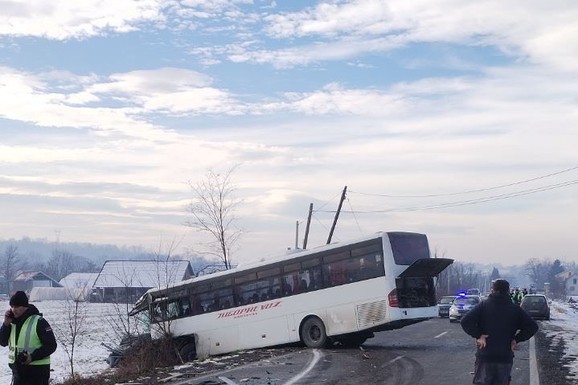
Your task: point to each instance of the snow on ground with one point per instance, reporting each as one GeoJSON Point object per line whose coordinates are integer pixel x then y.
{"type": "Point", "coordinates": [90, 355]}
{"type": "Point", "coordinates": [565, 317]}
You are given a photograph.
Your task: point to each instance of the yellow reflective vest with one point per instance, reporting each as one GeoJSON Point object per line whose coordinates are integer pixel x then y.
{"type": "Point", "coordinates": [28, 341]}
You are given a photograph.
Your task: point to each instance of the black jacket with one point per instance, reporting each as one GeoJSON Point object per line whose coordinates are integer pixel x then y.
{"type": "Point", "coordinates": [43, 329]}
{"type": "Point", "coordinates": [502, 321]}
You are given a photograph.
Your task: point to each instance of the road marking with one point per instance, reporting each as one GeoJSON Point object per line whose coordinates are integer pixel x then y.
{"type": "Point", "coordinates": [394, 360]}
{"type": "Point", "coordinates": [312, 363]}
{"type": "Point", "coordinates": [534, 375]}
{"type": "Point", "coordinates": [227, 381]}
{"type": "Point", "coordinates": [441, 334]}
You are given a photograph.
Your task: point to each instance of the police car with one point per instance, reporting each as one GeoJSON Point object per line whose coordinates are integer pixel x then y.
{"type": "Point", "coordinates": [461, 305]}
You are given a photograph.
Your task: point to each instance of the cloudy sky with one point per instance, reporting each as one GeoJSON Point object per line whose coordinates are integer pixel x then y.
{"type": "Point", "coordinates": [456, 119]}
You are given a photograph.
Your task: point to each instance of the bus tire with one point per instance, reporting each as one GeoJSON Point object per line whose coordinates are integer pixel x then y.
{"type": "Point", "coordinates": [188, 352]}
{"type": "Point", "coordinates": [313, 333]}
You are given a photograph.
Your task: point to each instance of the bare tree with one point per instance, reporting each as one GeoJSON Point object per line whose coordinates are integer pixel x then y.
{"type": "Point", "coordinates": [10, 265]}
{"type": "Point", "coordinates": [118, 318]}
{"type": "Point", "coordinates": [537, 270]}
{"type": "Point", "coordinates": [70, 335]}
{"type": "Point", "coordinates": [61, 264]}
{"type": "Point", "coordinates": [213, 212]}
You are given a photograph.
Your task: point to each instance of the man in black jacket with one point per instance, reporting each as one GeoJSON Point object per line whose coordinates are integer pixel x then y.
{"type": "Point", "coordinates": [31, 342]}
{"type": "Point", "coordinates": [498, 325]}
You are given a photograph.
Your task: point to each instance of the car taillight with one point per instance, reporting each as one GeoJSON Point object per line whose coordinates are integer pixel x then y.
{"type": "Point", "coordinates": [392, 298]}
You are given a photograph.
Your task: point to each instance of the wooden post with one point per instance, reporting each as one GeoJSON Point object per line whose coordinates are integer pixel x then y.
{"type": "Point", "coordinates": [337, 215]}
{"type": "Point", "coordinates": [307, 227]}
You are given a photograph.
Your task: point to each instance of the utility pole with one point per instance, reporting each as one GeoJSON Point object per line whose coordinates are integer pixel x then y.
{"type": "Point", "coordinates": [296, 235]}
{"type": "Point", "coordinates": [337, 215]}
{"type": "Point", "coordinates": [307, 227]}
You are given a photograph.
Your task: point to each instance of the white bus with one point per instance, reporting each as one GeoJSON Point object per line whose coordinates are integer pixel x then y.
{"type": "Point", "coordinates": [340, 292]}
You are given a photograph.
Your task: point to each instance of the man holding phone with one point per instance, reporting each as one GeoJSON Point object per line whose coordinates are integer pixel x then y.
{"type": "Point", "coordinates": [30, 340]}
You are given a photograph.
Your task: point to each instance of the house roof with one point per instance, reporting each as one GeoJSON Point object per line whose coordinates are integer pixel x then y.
{"type": "Point", "coordinates": [79, 280]}
{"type": "Point", "coordinates": [131, 273]}
{"type": "Point", "coordinates": [26, 275]}
{"type": "Point", "coordinates": [32, 275]}
{"type": "Point", "coordinates": [565, 275]}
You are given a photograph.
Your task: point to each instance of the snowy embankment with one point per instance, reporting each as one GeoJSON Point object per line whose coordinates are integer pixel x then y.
{"type": "Point", "coordinates": [565, 317]}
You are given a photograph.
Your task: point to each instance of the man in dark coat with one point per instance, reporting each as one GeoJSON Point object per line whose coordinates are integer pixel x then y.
{"type": "Point", "coordinates": [31, 342]}
{"type": "Point", "coordinates": [498, 325]}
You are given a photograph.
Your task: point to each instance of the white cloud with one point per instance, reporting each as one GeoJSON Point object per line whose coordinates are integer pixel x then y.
{"type": "Point", "coordinates": [542, 33]}
{"type": "Point", "coordinates": [24, 92]}
{"type": "Point", "coordinates": [66, 20]}
{"type": "Point", "coordinates": [172, 90]}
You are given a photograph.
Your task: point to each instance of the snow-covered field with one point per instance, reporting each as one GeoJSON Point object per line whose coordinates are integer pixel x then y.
{"type": "Point", "coordinates": [90, 355]}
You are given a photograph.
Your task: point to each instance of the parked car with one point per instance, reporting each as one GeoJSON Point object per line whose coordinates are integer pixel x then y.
{"type": "Point", "coordinates": [536, 305]}
{"type": "Point", "coordinates": [444, 305]}
{"type": "Point", "coordinates": [461, 305]}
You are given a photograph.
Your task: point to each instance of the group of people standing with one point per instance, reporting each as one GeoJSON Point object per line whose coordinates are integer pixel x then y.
{"type": "Point", "coordinates": [517, 295]}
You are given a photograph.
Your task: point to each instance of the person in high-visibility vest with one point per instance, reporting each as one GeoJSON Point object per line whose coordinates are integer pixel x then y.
{"type": "Point", "coordinates": [30, 340]}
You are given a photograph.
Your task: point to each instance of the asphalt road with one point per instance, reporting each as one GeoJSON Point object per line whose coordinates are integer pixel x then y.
{"type": "Point", "coordinates": [429, 353]}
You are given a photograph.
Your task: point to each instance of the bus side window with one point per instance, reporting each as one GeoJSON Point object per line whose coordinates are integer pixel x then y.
{"type": "Point", "coordinates": [226, 296]}
{"type": "Point", "coordinates": [315, 278]}
{"type": "Point", "coordinates": [226, 304]}
{"type": "Point", "coordinates": [287, 289]}
{"type": "Point", "coordinates": [185, 308]}
{"type": "Point", "coordinates": [206, 302]}
{"type": "Point", "coordinates": [291, 283]}
{"type": "Point", "coordinates": [273, 288]}
{"type": "Point", "coordinates": [172, 310]}
{"type": "Point", "coordinates": [197, 307]}
{"type": "Point", "coordinates": [157, 313]}
{"type": "Point", "coordinates": [336, 273]}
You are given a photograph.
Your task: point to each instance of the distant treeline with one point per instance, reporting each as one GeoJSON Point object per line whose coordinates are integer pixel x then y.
{"type": "Point", "coordinates": [58, 259]}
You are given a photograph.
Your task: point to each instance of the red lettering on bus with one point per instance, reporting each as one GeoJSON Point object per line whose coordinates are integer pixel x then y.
{"type": "Point", "coordinates": [247, 311]}
{"type": "Point", "coordinates": [270, 305]}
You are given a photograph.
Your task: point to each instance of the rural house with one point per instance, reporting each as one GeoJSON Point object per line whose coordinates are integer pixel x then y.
{"type": "Point", "coordinates": [570, 283]}
{"type": "Point", "coordinates": [27, 280]}
{"type": "Point", "coordinates": [75, 287]}
{"type": "Point", "coordinates": [127, 280]}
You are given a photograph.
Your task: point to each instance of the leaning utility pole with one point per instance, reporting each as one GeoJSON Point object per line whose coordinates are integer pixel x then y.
{"type": "Point", "coordinates": [337, 215]}
{"type": "Point", "coordinates": [307, 227]}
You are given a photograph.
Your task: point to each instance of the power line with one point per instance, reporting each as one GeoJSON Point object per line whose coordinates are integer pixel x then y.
{"type": "Point", "coordinates": [354, 216]}
{"type": "Point", "coordinates": [471, 201]}
{"type": "Point", "coordinates": [468, 191]}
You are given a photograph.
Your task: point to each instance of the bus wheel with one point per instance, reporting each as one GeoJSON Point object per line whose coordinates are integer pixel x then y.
{"type": "Point", "coordinates": [188, 352]}
{"type": "Point", "coordinates": [313, 333]}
